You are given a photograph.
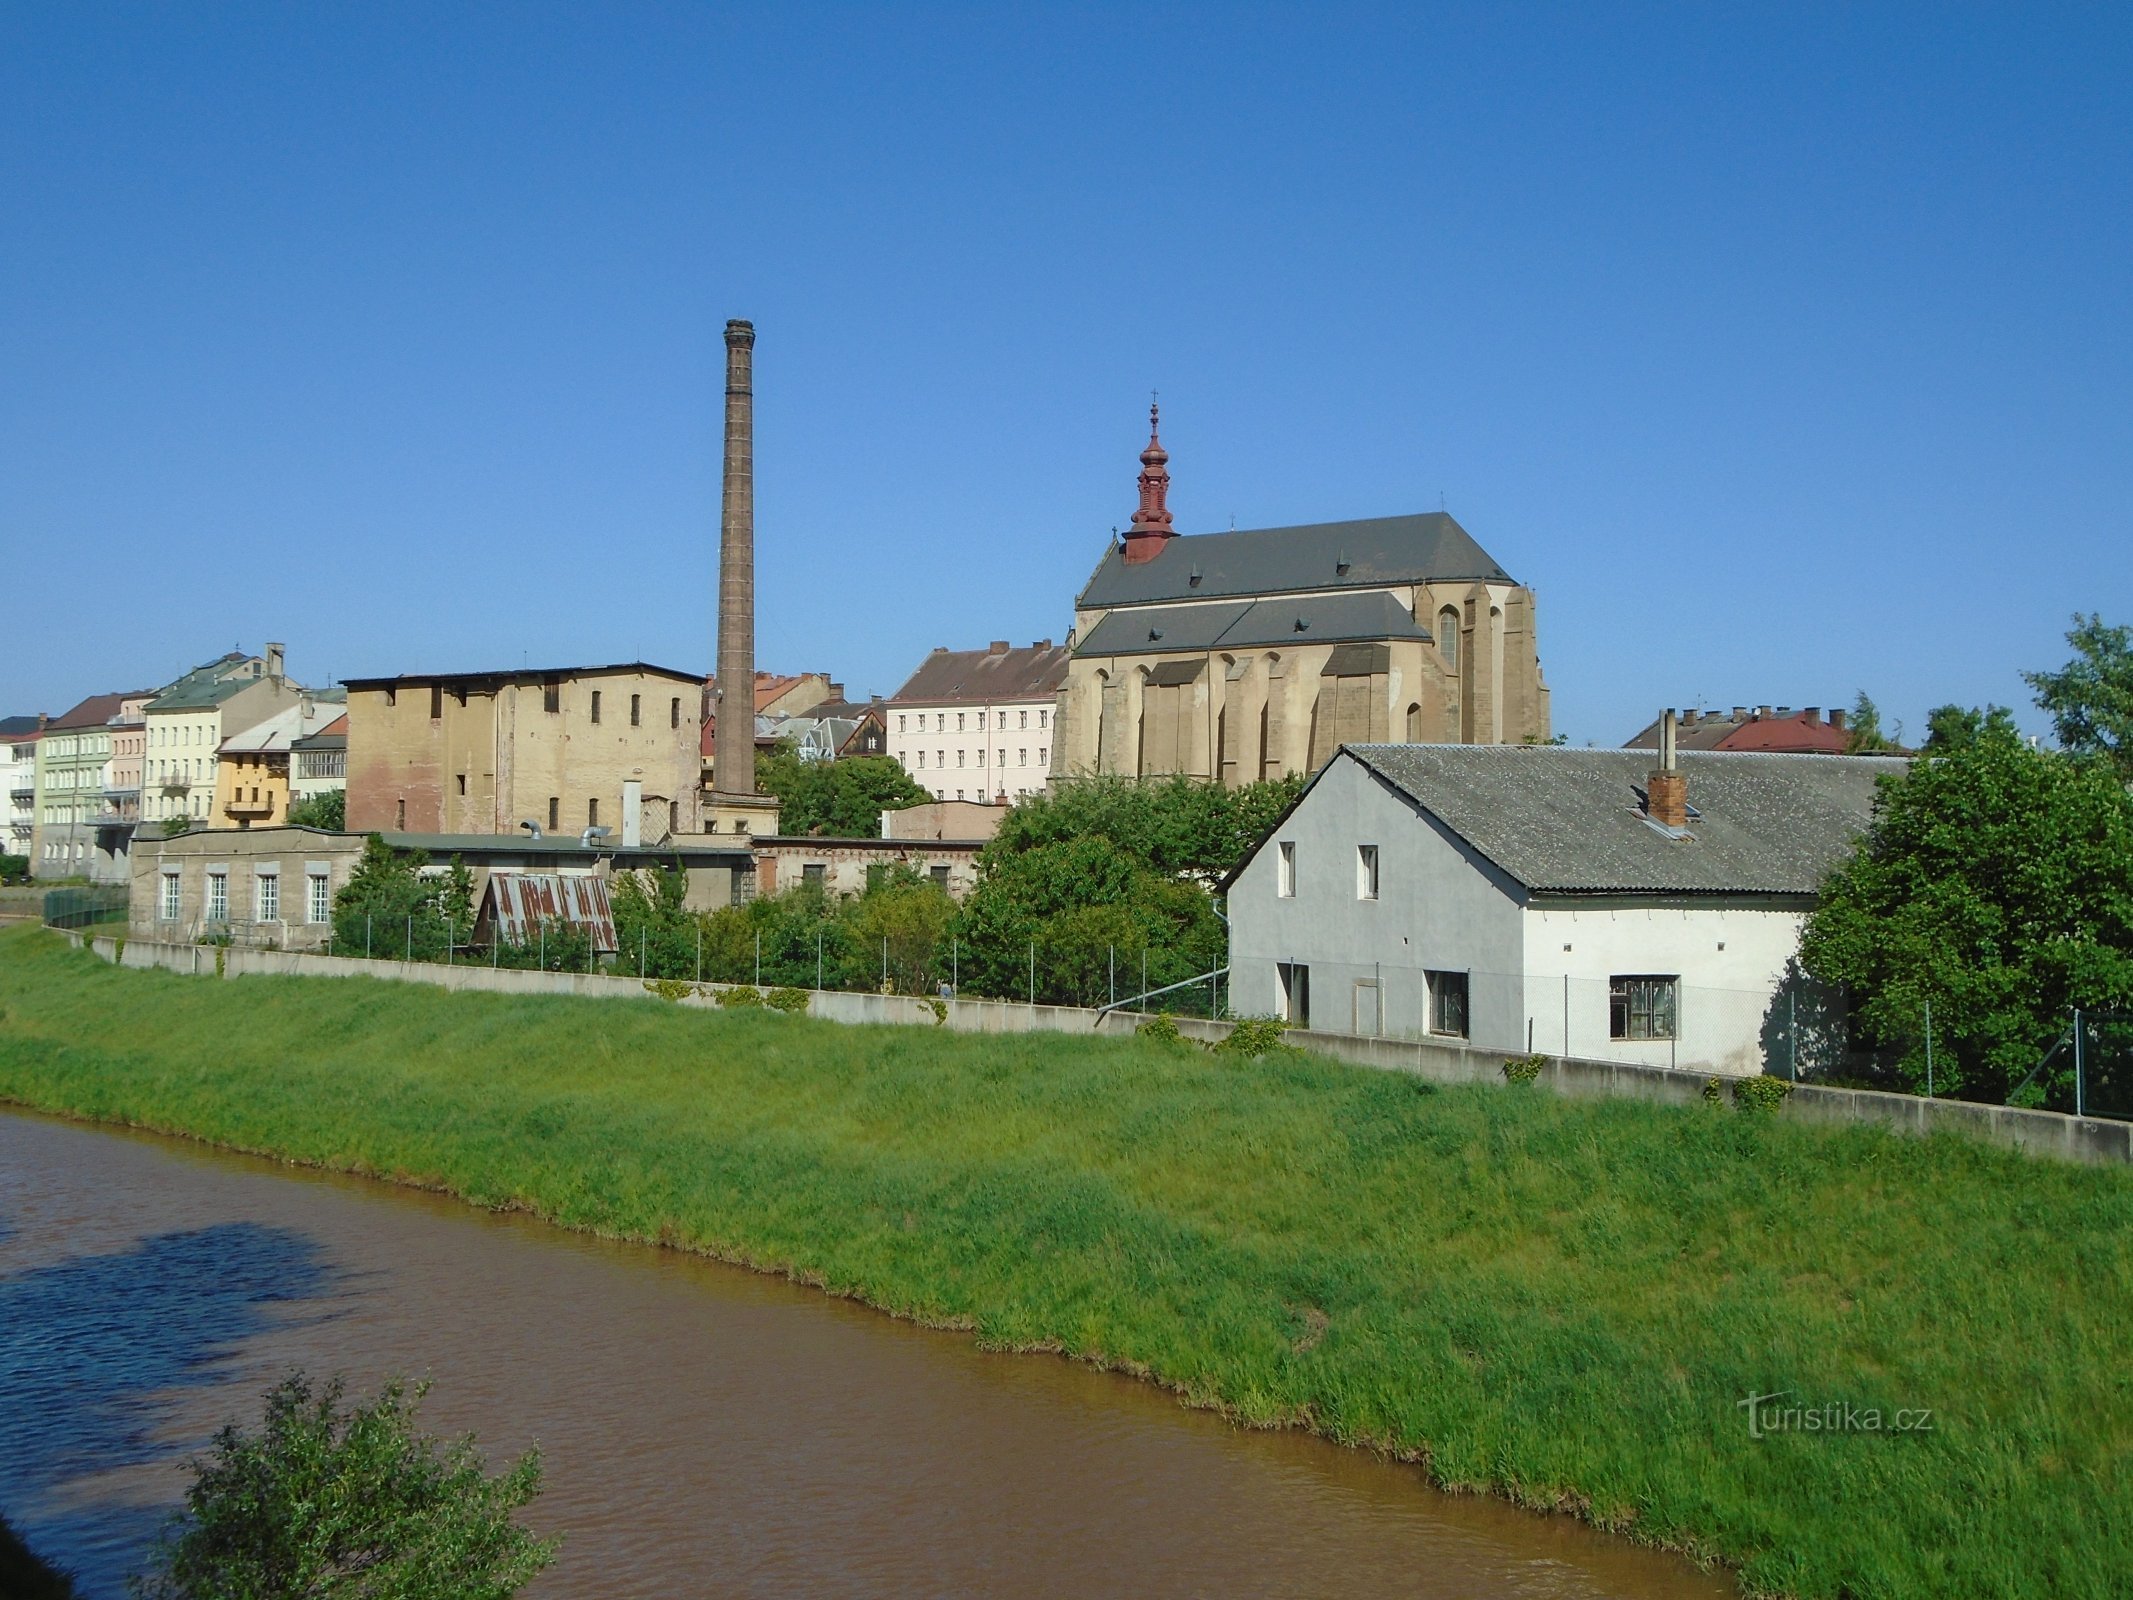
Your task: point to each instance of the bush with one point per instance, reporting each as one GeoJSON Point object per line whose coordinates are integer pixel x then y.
{"type": "Point", "coordinates": [740, 995]}
{"type": "Point", "coordinates": [14, 869]}
{"type": "Point", "coordinates": [1760, 1094]}
{"type": "Point", "coordinates": [331, 1501]}
{"type": "Point", "coordinates": [1524, 1069]}
{"type": "Point", "coordinates": [669, 988]}
{"type": "Point", "coordinates": [1253, 1037]}
{"type": "Point", "coordinates": [1163, 1030]}
{"type": "Point", "coordinates": [791, 1001]}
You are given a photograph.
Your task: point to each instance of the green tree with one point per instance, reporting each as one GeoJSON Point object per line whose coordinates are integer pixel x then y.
{"type": "Point", "coordinates": [1952, 727]}
{"type": "Point", "coordinates": [347, 1503]}
{"type": "Point", "coordinates": [328, 811]}
{"type": "Point", "coordinates": [653, 926]}
{"type": "Point", "coordinates": [1866, 737]}
{"type": "Point", "coordinates": [1996, 883]}
{"type": "Point", "coordinates": [904, 919]}
{"type": "Point", "coordinates": [393, 908]}
{"type": "Point", "coordinates": [2090, 699]}
{"type": "Point", "coordinates": [841, 799]}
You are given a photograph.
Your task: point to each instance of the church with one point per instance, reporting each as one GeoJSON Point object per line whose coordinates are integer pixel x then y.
{"type": "Point", "coordinates": [1260, 652]}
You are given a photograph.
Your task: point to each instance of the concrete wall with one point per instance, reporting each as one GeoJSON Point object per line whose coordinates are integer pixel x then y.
{"type": "Point", "coordinates": [1439, 908]}
{"type": "Point", "coordinates": [2035, 1132]}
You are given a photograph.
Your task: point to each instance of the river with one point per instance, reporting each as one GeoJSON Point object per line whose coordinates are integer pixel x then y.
{"type": "Point", "coordinates": [704, 1430]}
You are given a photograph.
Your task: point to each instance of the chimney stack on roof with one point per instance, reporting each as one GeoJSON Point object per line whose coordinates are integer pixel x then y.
{"type": "Point", "coordinates": [1151, 528]}
{"type": "Point", "coordinates": [733, 747]}
{"type": "Point", "coordinates": [274, 660]}
{"type": "Point", "coordinates": [1836, 719]}
{"type": "Point", "coordinates": [1666, 795]}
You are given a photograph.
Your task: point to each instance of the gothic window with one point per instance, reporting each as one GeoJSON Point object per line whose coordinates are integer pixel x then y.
{"type": "Point", "coordinates": [1448, 637]}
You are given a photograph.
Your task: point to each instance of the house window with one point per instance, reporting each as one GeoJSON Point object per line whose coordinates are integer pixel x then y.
{"type": "Point", "coordinates": [266, 898]}
{"type": "Point", "coordinates": [596, 705]}
{"type": "Point", "coordinates": [673, 816]}
{"type": "Point", "coordinates": [462, 783]}
{"type": "Point", "coordinates": [436, 701]}
{"type": "Point", "coordinates": [981, 722]}
{"type": "Point", "coordinates": [1448, 637]}
{"type": "Point", "coordinates": [218, 897]}
{"type": "Point", "coordinates": [814, 873]}
{"type": "Point", "coordinates": [592, 813]}
{"type": "Point", "coordinates": [318, 898]}
{"type": "Point", "coordinates": [1044, 719]}
{"type": "Point", "coordinates": [1022, 756]}
{"type": "Point", "coordinates": [940, 722]}
{"type": "Point", "coordinates": [939, 875]}
{"type": "Point", "coordinates": [1285, 869]}
{"type": "Point", "coordinates": [1003, 758]}
{"type": "Point", "coordinates": [899, 722]}
{"type": "Point", "coordinates": [1295, 981]}
{"type": "Point", "coordinates": [1447, 1003]}
{"type": "Point", "coordinates": [167, 901]}
{"type": "Point", "coordinates": [959, 755]}
{"type": "Point", "coordinates": [674, 713]}
{"type": "Point", "coordinates": [922, 759]}
{"type": "Point", "coordinates": [400, 816]}
{"type": "Point", "coordinates": [1641, 1007]}
{"type": "Point", "coordinates": [555, 808]}
{"type": "Point", "coordinates": [1366, 872]}
{"type": "Point", "coordinates": [551, 697]}
{"type": "Point", "coordinates": [1043, 755]}
{"type": "Point", "coordinates": [635, 701]}
{"type": "Point", "coordinates": [1025, 720]}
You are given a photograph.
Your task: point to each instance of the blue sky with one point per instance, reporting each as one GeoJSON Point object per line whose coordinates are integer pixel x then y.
{"type": "Point", "coordinates": [1785, 353]}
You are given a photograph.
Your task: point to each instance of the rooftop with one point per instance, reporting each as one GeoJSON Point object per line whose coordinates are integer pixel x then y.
{"type": "Point", "coordinates": [95, 712]}
{"type": "Point", "coordinates": [1248, 624]}
{"type": "Point", "coordinates": [503, 675]}
{"type": "Point", "coordinates": [1572, 821]}
{"type": "Point", "coordinates": [1775, 729]}
{"type": "Point", "coordinates": [1001, 672]}
{"type": "Point", "coordinates": [1365, 554]}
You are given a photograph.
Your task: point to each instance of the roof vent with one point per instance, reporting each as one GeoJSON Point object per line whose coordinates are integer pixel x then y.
{"type": "Point", "coordinates": [1155, 633]}
{"type": "Point", "coordinates": [1340, 563]}
{"type": "Point", "coordinates": [1302, 626]}
{"type": "Point", "coordinates": [999, 648]}
{"type": "Point", "coordinates": [1192, 580]}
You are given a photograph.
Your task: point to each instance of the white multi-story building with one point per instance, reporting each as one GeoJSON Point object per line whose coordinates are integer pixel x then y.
{"type": "Point", "coordinates": [18, 782]}
{"type": "Point", "coordinates": [977, 724]}
{"type": "Point", "coordinates": [188, 721]}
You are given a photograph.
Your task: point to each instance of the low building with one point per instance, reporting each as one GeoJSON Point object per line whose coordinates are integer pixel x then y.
{"type": "Point", "coordinates": [944, 819]}
{"type": "Point", "coordinates": [852, 866]}
{"type": "Point", "coordinates": [318, 762]}
{"type": "Point", "coordinates": [276, 885]}
{"type": "Point", "coordinates": [252, 769]}
{"type": "Point", "coordinates": [1540, 898]}
{"type": "Point", "coordinates": [187, 722]}
{"type": "Point", "coordinates": [18, 783]}
{"type": "Point", "coordinates": [1774, 730]}
{"type": "Point", "coordinates": [544, 749]}
{"type": "Point", "coordinates": [977, 724]}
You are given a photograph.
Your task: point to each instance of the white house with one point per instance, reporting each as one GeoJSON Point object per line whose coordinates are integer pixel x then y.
{"type": "Point", "coordinates": [1569, 901]}
{"type": "Point", "coordinates": [977, 724]}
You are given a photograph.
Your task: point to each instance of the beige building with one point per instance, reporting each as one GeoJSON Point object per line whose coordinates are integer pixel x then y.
{"type": "Point", "coordinates": [185, 725]}
{"type": "Point", "coordinates": [851, 866]}
{"type": "Point", "coordinates": [976, 725]}
{"type": "Point", "coordinates": [252, 769]}
{"type": "Point", "coordinates": [1260, 652]}
{"type": "Point", "coordinates": [563, 749]}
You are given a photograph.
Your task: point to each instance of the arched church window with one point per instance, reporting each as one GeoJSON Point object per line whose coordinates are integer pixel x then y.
{"type": "Point", "coordinates": [1448, 637]}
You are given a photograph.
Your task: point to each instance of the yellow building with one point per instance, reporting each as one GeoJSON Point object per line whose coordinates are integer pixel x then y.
{"type": "Point", "coordinates": [252, 768]}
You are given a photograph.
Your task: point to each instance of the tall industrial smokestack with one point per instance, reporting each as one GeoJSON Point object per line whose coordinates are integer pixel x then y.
{"type": "Point", "coordinates": [733, 753]}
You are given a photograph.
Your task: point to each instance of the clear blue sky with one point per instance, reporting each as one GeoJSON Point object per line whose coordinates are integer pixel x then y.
{"type": "Point", "coordinates": [1783, 354]}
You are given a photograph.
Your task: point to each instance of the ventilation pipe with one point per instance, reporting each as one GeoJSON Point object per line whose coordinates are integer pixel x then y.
{"type": "Point", "coordinates": [586, 838]}
{"type": "Point", "coordinates": [1666, 797]}
{"type": "Point", "coordinates": [532, 826]}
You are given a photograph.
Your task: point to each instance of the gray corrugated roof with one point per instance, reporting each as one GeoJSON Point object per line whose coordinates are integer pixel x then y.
{"type": "Point", "coordinates": [1254, 561]}
{"type": "Point", "coordinates": [1568, 821]}
{"type": "Point", "coordinates": [1241, 624]}
{"type": "Point", "coordinates": [1014, 673]}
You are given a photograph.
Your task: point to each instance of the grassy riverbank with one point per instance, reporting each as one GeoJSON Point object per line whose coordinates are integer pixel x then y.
{"type": "Point", "coordinates": [1560, 1301]}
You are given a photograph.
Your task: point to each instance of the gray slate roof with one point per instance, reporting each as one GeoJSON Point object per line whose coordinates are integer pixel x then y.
{"type": "Point", "coordinates": [1569, 821]}
{"type": "Point", "coordinates": [1256, 561]}
{"type": "Point", "coordinates": [1248, 624]}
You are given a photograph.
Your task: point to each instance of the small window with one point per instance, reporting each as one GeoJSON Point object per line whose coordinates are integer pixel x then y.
{"type": "Point", "coordinates": [551, 697]}
{"type": "Point", "coordinates": [1447, 1003]}
{"type": "Point", "coordinates": [1641, 1007]}
{"type": "Point", "coordinates": [674, 713]}
{"type": "Point", "coordinates": [1285, 869]}
{"type": "Point", "coordinates": [436, 702]}
{"type": "Point", "coordinates": [392, 698]}
{"type": "Point", "coordinates": [400, 816]}
{"type": "Point", "coordinates": [592, 813]}
{"type": "Point", "coordinates": [1043, 755]}
{"type": "Point", "coordinates": [1022, 756]}
{"type": "Point", "coordinates": [814, 872]}
{"type": "Point", "coordinates": [266, 898]}
{"type": "Point", "coordinates": [959, 755]}
{"type": "Point", "coordinates": [462, 784]}
{"type": "Point", "coordinates": [981, 722]}
{"type": "Point", "coordinates": [922, 760]}
{"type": "Point", "coordinates": [673, 816]}
{"type": "Point", "coordinates": [959, 722]}
{"type": "Point", "coordinates": [555, 808]}
{"type": "Point", "coordinates": [1366, 872]}
{"type": "Point", "coordinates": [1025, 720]}
{"type": "Point", "coordinates": [596, 705]}
{"type": "Point", "coordinates": [635, 702]}
{"type": "Point", "coordinates": [167, 902]}
{"type": "Point", "coordinates": [1044, 719]}
{"type": "Point", "coordinates": [318, 898]}
{"type": "Point", "coordinates": [218, 897]}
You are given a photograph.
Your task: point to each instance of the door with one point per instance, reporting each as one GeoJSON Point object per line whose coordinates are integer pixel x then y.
{"type": "Point", "coordinates": [1295, 979]}
{"type": "Point", "coordinates": [632, 813]}
{"type": "Point", "coordinates": [1366, 1008]}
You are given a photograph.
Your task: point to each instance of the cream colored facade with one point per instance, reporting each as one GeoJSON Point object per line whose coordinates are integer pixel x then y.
{"type": "Point", "coordinates": [1264, 658]}
{"type": "Point", "coordinates": [185, 725]}
{"type": "Point", "coordinates": [566, 749]}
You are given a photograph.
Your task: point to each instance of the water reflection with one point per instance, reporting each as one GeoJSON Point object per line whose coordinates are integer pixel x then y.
{"type": "Point", "coordinates": [93, 1349]}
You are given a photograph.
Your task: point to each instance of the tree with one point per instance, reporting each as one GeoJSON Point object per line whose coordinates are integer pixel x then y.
{"type": "Point", "coordinates": [347, 1504]}
{"type": "Point", "coordinates": [328, 811]}
{"type": "Point", "coordinates": [1866, 737]}
{"type": "Point", "coordinates": [2090, 699]}
{"type": "Point", "coordinates": [842, 799]}
{"type": "Point", "coordinates": [392, 907]}
{"type": "Point", "coordinates": [1953, 727]}
{"type": "Point", "coordinates": [1996, 884]}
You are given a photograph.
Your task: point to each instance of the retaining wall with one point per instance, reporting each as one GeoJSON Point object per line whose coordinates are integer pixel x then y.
{"type": "Point", "coordinates": [2038, 1132]}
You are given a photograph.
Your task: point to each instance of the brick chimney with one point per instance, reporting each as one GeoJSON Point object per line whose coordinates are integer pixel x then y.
{"type": "Point", "coordinates": [275, 654]}
{"type": "Point", "coordinates": [1666, 796]}
{"type": "Point", "coordinates": [1151, 528]}
{"type": "Point", "coordinates": [733, 739]}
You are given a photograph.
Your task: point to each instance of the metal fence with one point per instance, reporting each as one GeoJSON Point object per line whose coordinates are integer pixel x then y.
{"type": "Point", "coordinates": [83, 908]}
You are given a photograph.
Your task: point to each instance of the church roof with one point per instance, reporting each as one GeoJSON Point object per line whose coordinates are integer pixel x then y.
{"type": "Point", "coordinates": [1372, 552]}
{"type": "Point", "coordinates": [1248, 624]}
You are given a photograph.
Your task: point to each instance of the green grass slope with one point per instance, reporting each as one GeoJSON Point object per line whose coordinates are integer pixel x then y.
{"type": "Point", "coordinates": [1560, 1301]}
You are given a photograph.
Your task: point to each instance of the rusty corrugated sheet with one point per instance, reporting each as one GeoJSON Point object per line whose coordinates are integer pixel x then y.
{"type": "Point", "coordinates": [519, 902]}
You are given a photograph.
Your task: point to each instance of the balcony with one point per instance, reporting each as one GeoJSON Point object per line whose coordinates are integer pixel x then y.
{"type": "Point", "coordinates": [176, 788]}
{"type": "Point", "coordinates": [23, 797]}
{"type": "Point", "coordinates": [239, 807]}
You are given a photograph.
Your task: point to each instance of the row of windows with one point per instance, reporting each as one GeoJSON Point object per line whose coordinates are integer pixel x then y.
{"type": "Point", "coordinates": [161, 734]}
{"type": "Point", "coordinates": [940, 721]}
{"type": "Point", "coordinates": [266, 897]}
{"type": "Point", "coordinates": [54, 851]}
{"type": "Point", "coordinates": [1366, 870]}
{"type": "Point", "coordinates": [940, 757]}
{"type": "Point", "coordinates": [1639, 1005]}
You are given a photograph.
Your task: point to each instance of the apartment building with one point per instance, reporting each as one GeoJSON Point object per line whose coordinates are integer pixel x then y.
{"type": "Point", "coordinates": [977, 724]}
{"type": "Point", "coordinates": [18, 783]}
{"type": "Point", "coordinates": [186, 724]}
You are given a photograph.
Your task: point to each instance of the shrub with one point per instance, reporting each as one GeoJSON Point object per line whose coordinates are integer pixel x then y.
{"type": "Point", "coordinates": [741, 994]}
{"type": "Point", "coordinates": [939, 1008]}
{"type": "Point", "coordinates": [1714, 1090]}
{"type": "Point", "coordinates": [1163, 1030]}
{"type": "Point", "coordinates": [1253, 1036]}
{"type": "Point", "coordinates": [791, 1001]}
{"type": "Point", "coordinates": [1524, 1069]}
{"type": "Point", "coordinates": [669, 988]}
{"type": "Point", "coordinates": [1760, 1094]}
{"type": "Point", "coordinates": [331, 1501]}
{"type": "Point", "coordinates": [14, 869]}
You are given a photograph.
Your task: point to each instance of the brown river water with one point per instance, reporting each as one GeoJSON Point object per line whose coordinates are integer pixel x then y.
{"type": "Point", "coordinates": [704, 1430]}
